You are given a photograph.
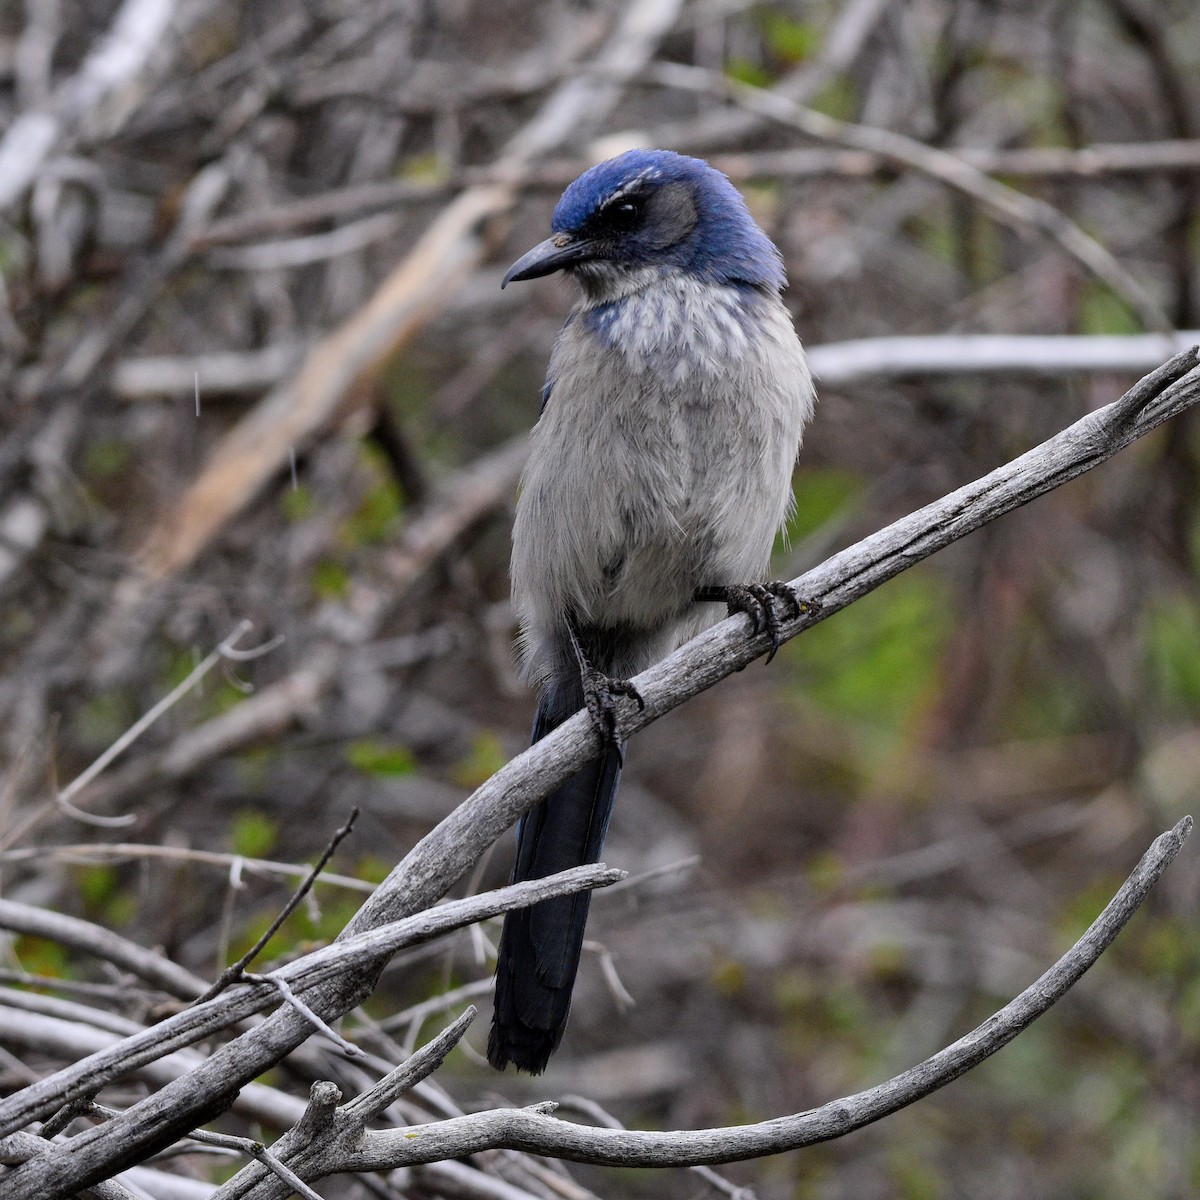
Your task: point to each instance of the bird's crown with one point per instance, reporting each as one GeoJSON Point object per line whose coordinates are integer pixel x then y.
{"type": "Point", "coordinates": [649, 208]}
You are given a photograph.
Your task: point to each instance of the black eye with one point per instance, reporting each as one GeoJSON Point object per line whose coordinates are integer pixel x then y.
{"type": "Point", "coordinates": [623, 215]}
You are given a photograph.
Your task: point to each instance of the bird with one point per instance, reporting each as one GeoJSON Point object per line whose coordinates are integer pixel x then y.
{"type": "Point", "coordinates": [659, 473]}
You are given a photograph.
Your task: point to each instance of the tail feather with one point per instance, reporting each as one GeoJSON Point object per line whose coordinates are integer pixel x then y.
{"type": "Point", "coordinates": [540, 946]}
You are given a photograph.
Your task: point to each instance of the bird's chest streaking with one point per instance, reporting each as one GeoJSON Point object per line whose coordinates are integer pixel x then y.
{"type": "Point", "coordinates": [663, 459]}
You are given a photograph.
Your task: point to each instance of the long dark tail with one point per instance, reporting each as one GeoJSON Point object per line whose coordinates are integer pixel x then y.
{"type": "Point", "coordinates": [540, 946]}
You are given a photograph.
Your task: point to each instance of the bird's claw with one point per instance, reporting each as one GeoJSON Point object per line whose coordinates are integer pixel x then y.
{"type": "Point", "coordinates": [762, 603]}
{"type": "Point", "coordinates": [600, 694]}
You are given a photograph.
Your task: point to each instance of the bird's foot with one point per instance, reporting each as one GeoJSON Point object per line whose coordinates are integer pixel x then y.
{"type": "Point", "coordinates": [766, 604]}
{"type": "Point", "coordinates": [600, 694]}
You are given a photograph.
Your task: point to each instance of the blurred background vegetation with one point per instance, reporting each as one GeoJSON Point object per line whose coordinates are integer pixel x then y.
{"type": "Point", "coordinates": [841, 862]}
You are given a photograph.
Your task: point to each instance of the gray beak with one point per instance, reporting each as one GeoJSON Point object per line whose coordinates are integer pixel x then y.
{"type": "Point", "coordinates": [549, 256]}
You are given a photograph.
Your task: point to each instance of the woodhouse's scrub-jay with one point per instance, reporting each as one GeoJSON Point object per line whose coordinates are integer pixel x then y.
{"type": "Point", "coordinates": [659, 473]}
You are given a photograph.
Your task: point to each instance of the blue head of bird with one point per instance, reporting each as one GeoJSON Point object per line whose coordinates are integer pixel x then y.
{"type": "Point", "coordinates": [624, 222]}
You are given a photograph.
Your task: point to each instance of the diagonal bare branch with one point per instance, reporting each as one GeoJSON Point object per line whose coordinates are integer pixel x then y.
{"type": "Point", "coordinates": [321, 968]}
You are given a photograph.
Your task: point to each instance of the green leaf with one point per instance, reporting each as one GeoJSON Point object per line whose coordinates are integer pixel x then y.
{"type": "Point", "coordinates": [96, 885]}
{"type": "Point", "coordinates": [386, 760]}
{"type": "Point", "coordinates": [423, 168]}
{"type": "Point", "coordinates": [38, 956]}
{"type": "Point", "coordinates": [744, 71]}
{"type": "Point", "coordinates": [838, 99]}
{"type": "Point", "coordinates": [792, 41]}
{"type": "Point", "coordinates": [1171, 635]}
{"type": "Point", "coordinates": [375, 517]}
{"type": "Point", "coordinates": [102, 460]}
{"type": "Point", "coordinates": [330, 580]}
{"type": "Point", "coordinates": [253, 834]}
{"type": "Point", "coordinates": [486, 757]}
{"type": "Point", "coordinates": [103, 896]}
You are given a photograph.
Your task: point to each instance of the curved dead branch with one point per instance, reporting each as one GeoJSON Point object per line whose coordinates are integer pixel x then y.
{"type": "Point", "coordinates": [344, 1145]}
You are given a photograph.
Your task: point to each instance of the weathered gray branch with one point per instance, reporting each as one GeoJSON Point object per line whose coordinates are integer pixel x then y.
{"type": "Point", "coordinates": [344, 1145]}
{"type": "Point", "coordinates": [331, 1139]}
{"type": "Point", "coordinates": [77, 1040]}
{"type": "Point", "coordinates": [449, 850]}
{"type": "Point", "coordinates": [21, 1147]}
{"type": "Point", "coordinates": [323, 966]}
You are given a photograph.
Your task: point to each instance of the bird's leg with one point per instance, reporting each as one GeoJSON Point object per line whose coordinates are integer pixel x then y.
{"type": "Point", "coordinates": [761, 602]}
{"type": "Point", "coordinates": [600, 692]}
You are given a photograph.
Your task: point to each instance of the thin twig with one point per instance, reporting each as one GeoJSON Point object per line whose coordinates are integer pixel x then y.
{"type": "Point", "coordinates": [226, 650]}
{"type": "Point", "coordinates": [237, 970]}
{"type": "Point", "coordinates": [290, 997]}
{"type": "Point", "coordinates": [620, 994]}
{"type": "Point", "coordinates": [241, 1145]}
{"type": "Point", "coordinates": [418, 1066]}
{"type": "Point", "coordinates": [82, 852]}
{"type": "Point", "coordinates": [259, 1152]}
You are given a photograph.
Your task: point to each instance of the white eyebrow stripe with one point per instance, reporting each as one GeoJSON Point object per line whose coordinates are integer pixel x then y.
{"type": "Point", "coordinates": [630, 185]}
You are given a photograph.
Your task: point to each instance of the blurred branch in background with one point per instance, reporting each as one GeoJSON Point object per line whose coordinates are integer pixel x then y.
{"type": "Point", "coordinates": [972, 354]}
{"type": "Point", "coordinates": [143, 39]}
{"type": "Point", "coordinates": [256, 365]}
{"type": "Point", "coordinates": [1022, 212]}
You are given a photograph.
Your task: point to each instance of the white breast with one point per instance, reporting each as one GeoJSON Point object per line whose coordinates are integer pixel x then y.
{"type": "Point", "coordinates": [663, 460]}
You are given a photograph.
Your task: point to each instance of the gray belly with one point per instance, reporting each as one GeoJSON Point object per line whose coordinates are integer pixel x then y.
{"type": "Point", "coordinates": [642, 486]}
